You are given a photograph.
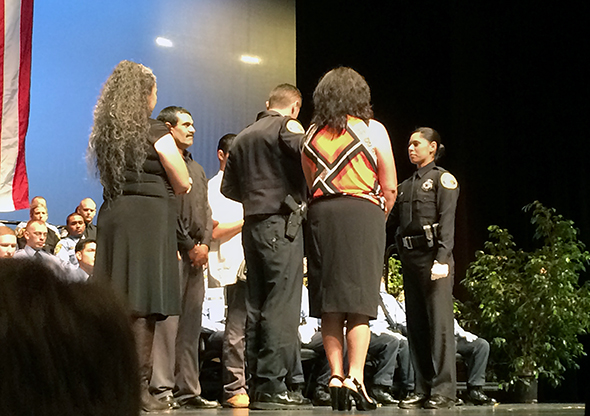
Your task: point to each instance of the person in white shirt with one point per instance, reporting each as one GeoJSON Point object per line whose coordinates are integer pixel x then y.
{"type": "Point", "coordinates": [226, 269]}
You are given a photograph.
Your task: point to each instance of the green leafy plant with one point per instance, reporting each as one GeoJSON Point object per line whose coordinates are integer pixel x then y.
{"type": "Point", "coordinates": [395, 279]}
{"type": "Point", "coordinates": [530, 304]}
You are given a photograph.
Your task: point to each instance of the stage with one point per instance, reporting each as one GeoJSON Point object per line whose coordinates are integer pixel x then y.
{"type": "Point", "coordinates": [553, 409]}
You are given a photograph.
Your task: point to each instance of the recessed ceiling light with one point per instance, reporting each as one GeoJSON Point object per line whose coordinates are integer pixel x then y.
{"type": "Point", "coordinates": [166, 43]}
{"type": "Point", "coordinates": [248, 59]}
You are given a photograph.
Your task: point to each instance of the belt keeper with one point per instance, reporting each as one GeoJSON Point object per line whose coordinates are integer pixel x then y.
{"type": "Point", "coordinates": [407, 241]}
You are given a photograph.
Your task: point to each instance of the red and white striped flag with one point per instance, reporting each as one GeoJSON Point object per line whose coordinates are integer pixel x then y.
{"type": "Point", "coordinates": [16, 27]}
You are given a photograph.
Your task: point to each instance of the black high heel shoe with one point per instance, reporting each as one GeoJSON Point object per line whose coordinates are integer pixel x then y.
{"type": "Point", "coordinates": [338, 396]}
{"type": "Point", "coordinates": [361, 399]}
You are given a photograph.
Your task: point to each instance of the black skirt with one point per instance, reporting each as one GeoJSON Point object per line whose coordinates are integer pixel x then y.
{"type": "Point", "coordinates": [345, 246]}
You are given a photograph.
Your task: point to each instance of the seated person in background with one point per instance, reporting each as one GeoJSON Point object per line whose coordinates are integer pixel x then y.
{"type": "Point", "coordinates": [392, 314]}
{"type": "Point", "coordinates": [87, 209]}
{"type": "Point", "coordinates": [65, 249]}
{"type": "Point", "coordinates": [475, 352]}
{"type": "Point", "coordinates": [35, 235]}
{"type": "Point", "coordinates": [38, 211]}
{"type": "Point", "coordinates": [213, 321]}
{"type": "Point", "coordinates": [67, 348]}
{"type": "Point", "coordinates": [383, 350]}
{"type": "Point", "coordinates": [311, 338]}
{"type": "Point", "coordinates": [85, 254]}
{"type": "Point", "coordinates": [7, 242]}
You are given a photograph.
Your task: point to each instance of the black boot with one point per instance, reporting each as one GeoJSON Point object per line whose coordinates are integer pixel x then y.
{"type": "Point", "coordinates": [143, 329]}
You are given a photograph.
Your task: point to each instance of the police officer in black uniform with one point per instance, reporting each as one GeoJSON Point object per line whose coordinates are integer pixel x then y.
{"type": "Point", "coordinates": [425, 209]}
{"type": "Point", "coordinates": [264, 173]}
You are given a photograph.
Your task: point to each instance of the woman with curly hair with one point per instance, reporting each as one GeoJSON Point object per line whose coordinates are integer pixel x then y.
{"type": "Point", "coordinates": [141, 170]}
{"type": "Point", "coordinates": [348, 164]}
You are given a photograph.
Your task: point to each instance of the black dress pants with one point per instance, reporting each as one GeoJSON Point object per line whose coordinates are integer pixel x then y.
{"type": "Point", "coordinates": [275, 279]}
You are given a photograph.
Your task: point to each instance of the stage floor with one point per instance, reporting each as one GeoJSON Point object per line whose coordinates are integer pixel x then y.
{"type": "Point", "coordinates": [544, 409]}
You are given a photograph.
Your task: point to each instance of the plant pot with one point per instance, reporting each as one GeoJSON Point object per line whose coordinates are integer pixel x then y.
{"type": "Point", "coordinates": [525, 390]}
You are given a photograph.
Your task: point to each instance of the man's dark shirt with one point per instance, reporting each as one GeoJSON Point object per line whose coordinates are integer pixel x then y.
{"type": "Point", "coordinates": [195, 224]}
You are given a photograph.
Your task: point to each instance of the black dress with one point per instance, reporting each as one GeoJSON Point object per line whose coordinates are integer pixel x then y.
{"type": "Point", "coordinates": [136, 238]}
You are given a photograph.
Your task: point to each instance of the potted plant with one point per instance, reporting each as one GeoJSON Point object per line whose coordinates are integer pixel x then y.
{"type": "Point", "coordinates": [530, 304]}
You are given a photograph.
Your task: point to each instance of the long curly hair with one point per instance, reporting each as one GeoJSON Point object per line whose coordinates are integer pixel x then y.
{"type": "Point", "coordinates": [341, 92]}
{"type": "Point", "coordinates": [119, 138]}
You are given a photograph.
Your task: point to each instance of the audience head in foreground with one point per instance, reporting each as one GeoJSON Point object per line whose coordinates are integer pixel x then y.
{"type": "Point", "coordinates": [67, 348]}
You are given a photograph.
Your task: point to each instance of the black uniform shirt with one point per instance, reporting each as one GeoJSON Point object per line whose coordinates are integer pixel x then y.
{"type": "Point", "coordinates": [429, 197]}
{"type": "Point", "coordinates": [195, 224]}
{"type": "Point", "coordinates": [264, 165]}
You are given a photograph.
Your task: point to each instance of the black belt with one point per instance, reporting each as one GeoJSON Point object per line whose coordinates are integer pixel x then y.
{"type": "Point", "coordinates": [412, 242]}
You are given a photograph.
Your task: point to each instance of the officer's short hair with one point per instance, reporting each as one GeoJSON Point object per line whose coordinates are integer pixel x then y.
{"type": "Point", "coordinates": [5, 230]}
{"type": "Point", "coordinates": [169, 114]}
{"type": "Point", "coordinates": [71, 215]}
{"type": "Point", "coordinates": [225, 142]}
{"type": "Point", "coordinates": [81, 245]}
{"type": "Point", "coordinates": [282, 96]}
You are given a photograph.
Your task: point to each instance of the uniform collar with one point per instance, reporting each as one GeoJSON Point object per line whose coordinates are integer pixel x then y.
{"type": "Point", "coordinates": [425, 169]}
{"type": "Point", "coordinates": [268, 113]}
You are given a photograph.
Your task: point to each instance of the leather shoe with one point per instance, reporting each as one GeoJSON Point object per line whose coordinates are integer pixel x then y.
{"type": "Point", "coordinates": [476, 396]}
{"type": "Point", "coordinates": [150, 404]}
{"type": "Point", "coordinates": [415, 401]}
{"type": "Point", "coordinates": [381, 395]}
{"type": "Point", "coordinates": [239, 401]}
{"type": "Point", "coordinates": [438, 401]}
{"type": "Point", "coordinates": [170, 401]}
{"type": "Point", "coordinates": [198, 402]}
{"type": "Point", "coordinates": [278, 401]}
{"type": "Point", "coordinates": [321, 396]}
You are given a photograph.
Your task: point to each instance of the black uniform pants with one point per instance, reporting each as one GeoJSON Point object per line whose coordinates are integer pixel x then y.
{"type": "Point", "coordinates": [275, 279]}
{"type": "Point", "coordinates": [429, 313]}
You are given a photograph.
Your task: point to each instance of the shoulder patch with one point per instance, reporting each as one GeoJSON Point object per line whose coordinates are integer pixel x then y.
{"type": "Point", "coordinates": [448, 181]}
{"type": "Point", "coordinates": [295, 127]}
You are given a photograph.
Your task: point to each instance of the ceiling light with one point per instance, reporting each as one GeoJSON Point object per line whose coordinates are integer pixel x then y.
{"type": "Point", "coordinates": [248, 59]}
{"type": "Point", "coordinates": [164, 42]}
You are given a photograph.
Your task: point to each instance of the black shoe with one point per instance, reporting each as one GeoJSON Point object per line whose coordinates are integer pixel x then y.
{"type": "Point", "coordinates": [150, 404]}
{"type": "Point", "coordinates": [438, 401]}
{"type": "Point", "coordinates": [361, 400]}
{"type": "Point", "coordinates": [414, 401]}
{"type": "Point", "coordinates": [278, 401]}
{"type": "Point", "coordinates": [403, 394]}
{"type": "Point", "coordinates": [321, 396]}
{"type": "Point", "coordinates": [381, 395]}
{"type": "Point", "coordinates": [170, 401]}
{"type": "Point", "coordinates": [198, 402]}
{"type": "Point", "coordinates": [476, 396]}
{"type": "Point", "coordinates": [298, 396]}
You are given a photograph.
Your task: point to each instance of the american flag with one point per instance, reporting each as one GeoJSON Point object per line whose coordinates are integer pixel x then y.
{"type": "Point", "coordinates": [16, 26]}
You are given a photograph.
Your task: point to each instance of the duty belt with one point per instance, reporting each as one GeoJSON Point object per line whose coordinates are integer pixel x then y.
{"type": "Point", "coordinates": [426, 240]}
{"type": "Point", "coordinates": [414, 241]}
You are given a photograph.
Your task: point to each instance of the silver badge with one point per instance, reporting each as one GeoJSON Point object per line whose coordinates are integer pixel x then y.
{"type": "Point", "coordinates": [427, 186]}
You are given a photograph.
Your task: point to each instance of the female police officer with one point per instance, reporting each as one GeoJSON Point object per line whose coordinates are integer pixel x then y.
{"type": "Point", "coordinates": [426, 213]}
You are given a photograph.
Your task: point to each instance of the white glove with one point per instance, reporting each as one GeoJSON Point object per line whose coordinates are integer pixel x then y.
{"type": "Point", "coordinates": [439, 271]}
{"type": "Point", "coordinates": [469, 337]}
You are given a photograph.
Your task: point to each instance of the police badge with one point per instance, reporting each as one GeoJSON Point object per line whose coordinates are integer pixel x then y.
{"type": "Point", "coordinates": [427, 186]}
